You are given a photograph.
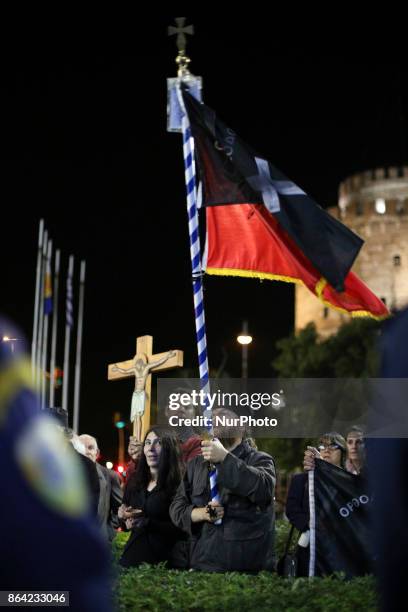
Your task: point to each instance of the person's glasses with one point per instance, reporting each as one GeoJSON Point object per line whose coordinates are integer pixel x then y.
{"type": "Point", "coordinates": [330, 447]}
{"type": "Point", "coordinates": [359, 441]}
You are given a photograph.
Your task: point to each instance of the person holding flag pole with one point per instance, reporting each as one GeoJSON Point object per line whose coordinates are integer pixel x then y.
{"type": "Point", "coordinates": [244, 539]}
{"type": "Point", "coordinates": [68, 328]}
{"type": "Point", "coordinates": [176, 102]}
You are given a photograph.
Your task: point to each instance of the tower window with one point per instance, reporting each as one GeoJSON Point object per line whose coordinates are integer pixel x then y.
{"type": "Point", "coordinates": [397, 260]}
{"type": "Point", "coordinates": [380, 206]}
{"type": "Point", "coordinates": [400, 207]}
{"type": "Point", "coordinates": [325, 312]}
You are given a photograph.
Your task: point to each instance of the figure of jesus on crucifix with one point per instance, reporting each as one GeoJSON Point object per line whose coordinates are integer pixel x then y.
{"type": "Point", "coordinates": [141, 370]}
{"type": "Point", "coordinates": [141, 367]}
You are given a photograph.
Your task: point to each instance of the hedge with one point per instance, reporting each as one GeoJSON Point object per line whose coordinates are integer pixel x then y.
{"type": "Point", "coordinates": [157, 589]}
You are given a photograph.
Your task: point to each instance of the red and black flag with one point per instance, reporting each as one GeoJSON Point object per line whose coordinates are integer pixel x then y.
{"type": "Point", "coordinates": [246, 240]}
{"type": "Point", "coordinates": [260, 224]}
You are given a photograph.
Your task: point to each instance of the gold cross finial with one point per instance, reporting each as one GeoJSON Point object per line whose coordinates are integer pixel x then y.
{"type": "Point", "coordinates": [182, 60]}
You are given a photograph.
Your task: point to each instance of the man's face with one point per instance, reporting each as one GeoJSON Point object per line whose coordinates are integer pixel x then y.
{"type": "Point", "coordinates": [91, 447]}
{"type": "Point", "coordinates": [227, 437]}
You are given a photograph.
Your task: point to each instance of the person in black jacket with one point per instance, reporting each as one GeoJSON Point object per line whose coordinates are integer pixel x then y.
{"type": "Point", "coordinates": [146, 501]}
{"type": "Point", "coordinates": [244, 540]}
{"type": "Point", "coordinates": [332, 448]}
{"type": "Point", "coordinates": [91, 473]}
{"type": "Point", "coordinates": [110, 490]}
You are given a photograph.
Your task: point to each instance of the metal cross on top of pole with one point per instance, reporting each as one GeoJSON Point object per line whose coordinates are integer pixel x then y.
{"type": "Point", "coordinates": [181, 30]}
{"type": "Point", "coordinates": [178, 121]}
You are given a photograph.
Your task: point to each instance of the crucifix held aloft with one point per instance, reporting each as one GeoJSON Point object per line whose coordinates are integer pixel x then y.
{"type": "Point", "coordinates": [141, 367]}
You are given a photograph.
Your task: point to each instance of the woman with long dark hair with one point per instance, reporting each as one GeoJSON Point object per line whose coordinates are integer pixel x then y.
{"type": "Point", "coordinates": [147, 498]}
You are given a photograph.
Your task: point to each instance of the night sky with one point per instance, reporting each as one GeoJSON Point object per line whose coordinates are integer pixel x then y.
{"type": "Point", "coordinates": [84, 145]}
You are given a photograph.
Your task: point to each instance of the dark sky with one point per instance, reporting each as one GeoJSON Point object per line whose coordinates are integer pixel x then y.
{"type": "Point", "coordinates": [83, 144]}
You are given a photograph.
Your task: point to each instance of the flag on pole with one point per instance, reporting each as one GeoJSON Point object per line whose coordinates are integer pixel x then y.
{"type": "Point", "coordinates": [69, 302]}
{"type": "Point", "coordinates": [246, 240]}
{"type": "Point", "coordinates": [232, 173]}
{"type": "Point", "coordinates": [48, 288]}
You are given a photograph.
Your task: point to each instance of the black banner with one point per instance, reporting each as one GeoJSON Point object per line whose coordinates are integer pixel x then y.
{"type": "Point", "coordinates": [341, 534]}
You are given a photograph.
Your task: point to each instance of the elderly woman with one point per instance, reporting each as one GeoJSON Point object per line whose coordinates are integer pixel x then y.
{"type": "Point", "coordinates": [355, 450]}
{"type": "Point", "coordinates": [147, 498]}
{"type": "Point", "coordinates": [331, 448]}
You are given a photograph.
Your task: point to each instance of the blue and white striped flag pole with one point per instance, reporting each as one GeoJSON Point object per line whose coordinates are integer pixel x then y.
{"type": "Point", "coordinates": [195, 252]}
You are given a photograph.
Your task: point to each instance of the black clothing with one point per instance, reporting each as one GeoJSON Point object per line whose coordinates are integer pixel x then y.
{"type": "Point", "coordinates": [244, 541]}
{"type": "Point", "coordinates": [297, 511]}
{"type": "Point", "coordinates": [92, 479]}
{"type": "Point", "coordinates": [110, 498]}
{"type": "Point", "coordinates": [153, 535]}
{"type": "Point", "coordinates": [297, 503]}
{"type": "Point", "coordinates": [387, 467]}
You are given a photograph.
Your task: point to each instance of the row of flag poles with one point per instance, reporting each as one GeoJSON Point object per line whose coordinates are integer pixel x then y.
{"type": "Point", "coordinates": [45, 324]}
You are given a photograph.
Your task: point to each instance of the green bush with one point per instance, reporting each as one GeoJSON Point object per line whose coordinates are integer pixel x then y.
{"type": "Point", "coordinates": [157, 589]}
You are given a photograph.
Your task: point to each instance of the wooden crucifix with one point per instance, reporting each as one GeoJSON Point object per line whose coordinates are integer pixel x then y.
{"type": "Point", "coordinates": [141, 367]}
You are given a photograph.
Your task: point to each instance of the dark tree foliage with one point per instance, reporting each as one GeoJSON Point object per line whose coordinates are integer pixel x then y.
{"type": "Point", "coordinates": [351, 353]}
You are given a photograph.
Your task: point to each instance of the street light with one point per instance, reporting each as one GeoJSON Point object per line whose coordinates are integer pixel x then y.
{"type": "Point", "coordinates": [11, 340]}
{"type": "Point", "coordinates": [244, 340]}
{"type": "Point", "coordinates": [120, 425]}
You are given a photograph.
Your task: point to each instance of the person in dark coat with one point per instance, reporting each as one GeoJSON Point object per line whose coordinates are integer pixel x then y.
{"type": "Point", "coordinates": [92, 479]}
{"type": "Point", "coordinates": [332, 448]}
{"type": "Point", "coordinates": [387, 466]}
{"type": "Point", "coordinates": [146, 502]}
{"type": "Point", "coordinates": [244, 540]}
{"type": "Point", "coordinates": [110, 490]}
{"type": "Point", "coordinates": [91, 473]}
{"type": "Point", "coordinates": [297, 511]}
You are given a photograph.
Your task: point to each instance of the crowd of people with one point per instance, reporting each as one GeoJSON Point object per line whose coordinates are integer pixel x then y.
{"type": "Point", "coordinates": [167, 506]}
{"type": "Point", "coordinates": [166, 503]}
